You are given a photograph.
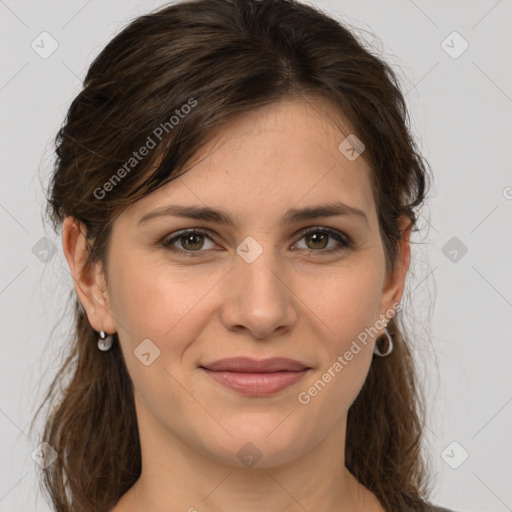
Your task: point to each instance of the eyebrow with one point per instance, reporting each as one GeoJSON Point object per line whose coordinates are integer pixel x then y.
{"type": "Point", "coordinates": [293, 215]}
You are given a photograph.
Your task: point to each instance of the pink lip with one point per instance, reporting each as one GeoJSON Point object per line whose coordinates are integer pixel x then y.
{"type": "Point", "coordinates": [256, 377]}
{"type": "Point", "coordinates": [247, 364]}
{"type": "Point", "coordinates": [256, 384]}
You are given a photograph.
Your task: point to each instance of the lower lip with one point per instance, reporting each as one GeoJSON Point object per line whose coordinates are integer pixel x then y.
{"type": "Point", "coordinates": [256, 384]}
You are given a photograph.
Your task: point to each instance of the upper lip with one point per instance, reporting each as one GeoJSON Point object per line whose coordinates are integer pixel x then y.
{"type": "Point", "coordinates": [247, 364]}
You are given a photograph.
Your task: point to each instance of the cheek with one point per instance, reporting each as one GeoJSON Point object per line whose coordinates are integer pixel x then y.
{"type": "Point", "coordinates": [157, 301]}
{"type": "Point", "coordinates": [167, 307]}
{"type": "Point", "coordinates": [348, 308]}
{"type": "Point", "coordinates": [348, 303]}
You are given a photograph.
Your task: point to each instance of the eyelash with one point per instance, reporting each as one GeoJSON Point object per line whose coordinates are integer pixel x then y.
{"type": "Point", "coordinates": [344, 240]}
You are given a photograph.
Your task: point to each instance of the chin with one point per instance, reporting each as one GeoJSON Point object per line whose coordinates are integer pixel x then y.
{"type": "Point", "coordinates": [267, 443]}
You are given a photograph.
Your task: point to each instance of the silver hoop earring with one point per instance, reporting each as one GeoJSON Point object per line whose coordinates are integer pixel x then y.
{"type": "Point", "coordinates": [376, 350]}
{"type": "Point", "coordinates": [105, 342]}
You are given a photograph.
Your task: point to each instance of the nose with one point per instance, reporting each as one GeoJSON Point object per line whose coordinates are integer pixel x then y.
{"type": "Point", "coordinates": [258, 298]}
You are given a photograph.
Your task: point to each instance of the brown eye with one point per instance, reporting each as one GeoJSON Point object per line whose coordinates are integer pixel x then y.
{"type": "Point", "coordinates": [193, 241]}
{"type": "Point", "coordinates": [317, 240]}
{"type": "Point", "coordinates": [189, 241]}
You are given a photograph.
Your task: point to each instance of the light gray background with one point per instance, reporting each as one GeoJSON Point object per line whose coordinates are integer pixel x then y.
{"type": "Point", "coordinates": [460, 310]}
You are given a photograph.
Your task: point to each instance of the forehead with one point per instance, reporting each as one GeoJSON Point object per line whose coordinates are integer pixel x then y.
{"type": "Point", "coordinates": [270, 159]}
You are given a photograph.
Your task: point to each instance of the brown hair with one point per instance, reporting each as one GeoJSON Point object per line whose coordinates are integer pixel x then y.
{"type": "Point", "coordinates": [220, 58]}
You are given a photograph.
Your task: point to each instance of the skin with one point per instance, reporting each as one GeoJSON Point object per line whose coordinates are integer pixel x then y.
{"type": "Point", "coordinates": [290, 302]}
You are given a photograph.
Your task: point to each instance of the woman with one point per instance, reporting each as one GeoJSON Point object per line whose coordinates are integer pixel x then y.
{"type": "Point", "coordinates": [237, 186]}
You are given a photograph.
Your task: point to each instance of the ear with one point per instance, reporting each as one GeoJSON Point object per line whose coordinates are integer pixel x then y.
{"type": "Point", "coordinates": [394, 287]}
{"type": "Point", "coordinates": [89, 280]}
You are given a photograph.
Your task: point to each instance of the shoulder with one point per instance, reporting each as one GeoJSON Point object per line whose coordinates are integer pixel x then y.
{"type": "Point", "coordinates": [440, 509]}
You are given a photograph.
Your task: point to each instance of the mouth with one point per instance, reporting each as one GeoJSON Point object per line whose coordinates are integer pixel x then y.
{"type": "Point", "coordinates": [253, 377]}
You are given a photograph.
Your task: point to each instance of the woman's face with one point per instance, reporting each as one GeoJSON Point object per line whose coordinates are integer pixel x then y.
{"type": "Point", "coordinates": [255, 287]}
